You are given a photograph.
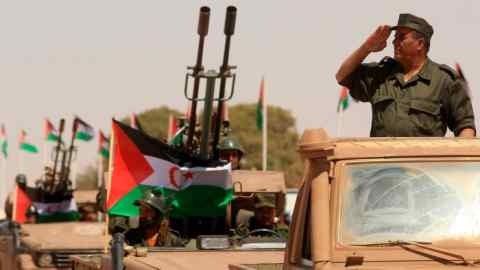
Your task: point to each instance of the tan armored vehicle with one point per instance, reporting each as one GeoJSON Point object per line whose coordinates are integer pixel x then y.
{"type": "Point", "coordinates": [214, 251]}
{"type": "Point", "coordinates": [50, 245]}
{"type": "Point", "coordinates": [386, 203]}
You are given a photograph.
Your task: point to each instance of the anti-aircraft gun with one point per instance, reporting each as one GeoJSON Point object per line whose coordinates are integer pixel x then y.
{"type": "Point", "coordinates": [57, 185]}
{"type": "Point", "coordinates": [207, 145]}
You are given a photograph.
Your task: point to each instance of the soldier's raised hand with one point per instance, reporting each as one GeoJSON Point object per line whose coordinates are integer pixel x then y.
{"type": "Point", "coordinates": [377, 41]}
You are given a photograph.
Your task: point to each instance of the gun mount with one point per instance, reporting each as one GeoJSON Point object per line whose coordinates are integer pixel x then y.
{"type": "Point", "coordinates": [207, 150]}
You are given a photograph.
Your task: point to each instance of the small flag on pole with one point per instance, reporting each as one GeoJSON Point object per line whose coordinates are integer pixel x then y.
{"type": "Point", "coordinates": [25, 145]}
{"type": "Point", "coordinates": [134, 123]}
{"type": "Point", "coordinates": [84, 131]}
{"type": "Point", "coordinates": [343, 100]}
{"type": "Point", "coordinates": [172, 127]}
{"type": "Point", "coordinates": [260, 105]}
{"type": "Point", "coordinates": [51, 134]}
{"type": "Point", "coordinates": [462, 77]}
{"type": "Point", "coordinates": [4, 141]}
{"type": "Point", "coordinates": [103, 145]}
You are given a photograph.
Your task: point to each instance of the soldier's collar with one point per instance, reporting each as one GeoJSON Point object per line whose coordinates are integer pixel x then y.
{"type": "Point", "coordinates": [426, 71]}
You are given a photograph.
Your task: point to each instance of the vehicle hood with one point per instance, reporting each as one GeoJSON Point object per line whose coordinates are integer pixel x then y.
{"type": "Point", "coordinates": [180, 260]}
{"type": "Point", "coordinates": [65, 235]}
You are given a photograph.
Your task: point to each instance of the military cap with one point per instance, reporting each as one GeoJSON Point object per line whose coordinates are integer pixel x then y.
{"type": "Point", "coordinates": [416, 23]}
{"type": "Point", "coordinates": [152, 199]}
{"type": "Point", "coordinates": [230, 143]}
{"type": "Point", "coordinates": [264, 200]}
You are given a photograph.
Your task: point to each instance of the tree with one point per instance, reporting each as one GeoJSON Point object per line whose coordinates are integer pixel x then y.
{"type": "Point", "coordinates": [282, 140]}
{"type": "Point", "coordinates": [155, 121]}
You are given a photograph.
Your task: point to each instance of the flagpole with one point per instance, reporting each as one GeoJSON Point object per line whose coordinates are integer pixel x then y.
{"type": "Point", "coordinates": [108, 183]}
{"type": "Point", "coordinates": [339, 122]}
{"type": "Point", "coordinates": [264, 129]}
{"type": "Point", "coordinates": [99, 171]}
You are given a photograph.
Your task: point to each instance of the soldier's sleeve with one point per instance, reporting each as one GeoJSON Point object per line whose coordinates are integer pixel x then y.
{"type": "Point", "coordinates": [360, 82]}
{"type": "Point", "coordinates": [459, 105]}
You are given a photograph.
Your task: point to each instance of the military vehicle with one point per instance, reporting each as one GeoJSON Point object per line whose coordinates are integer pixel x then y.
{"type": "Point", "coordinates": [213, 251]}
{"type": "Point", "coordinates": [211, 243]}
{"type": "Point", "coordinates": [386, 203]}
{"type": "Point", "coordinates": [48, 242]}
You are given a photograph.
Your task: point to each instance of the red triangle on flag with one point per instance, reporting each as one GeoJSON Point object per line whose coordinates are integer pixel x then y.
{"type": "Point", "coordinates": [130, 169]}
{"type": "Point", "coordinates": [22, 203]}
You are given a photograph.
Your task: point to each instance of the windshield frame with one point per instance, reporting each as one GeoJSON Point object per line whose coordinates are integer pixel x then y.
{"type": "Point", "coordinates": [339, 187]}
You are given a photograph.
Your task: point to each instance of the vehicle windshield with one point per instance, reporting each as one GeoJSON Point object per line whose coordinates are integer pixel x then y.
{"type": "Point", "coordinates": [410, 201]}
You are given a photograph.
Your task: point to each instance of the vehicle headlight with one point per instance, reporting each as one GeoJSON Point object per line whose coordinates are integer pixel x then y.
{"type": "Point", "coordinates": [213, 242]}
{"type": "Point", "coordinates": [45, 260]}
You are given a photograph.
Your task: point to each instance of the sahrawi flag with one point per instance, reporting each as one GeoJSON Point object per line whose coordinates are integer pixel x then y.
{"type": "Point", "coordinates": [25, 145]}
{"type": "Point", "coordinates": [141, 162]}
{"type": "Point", "coordinates": [343, 100]}
{"type": "Point", "coordinates": [56, 209]}
{"type": "Point", "coordinates": [3, 141]}
{"type": "Point", "coordinates": [84, 131]}
{"type": "Point", "coordinates": [103, 145]}
{"type": "Point", "coordinates": [51, 134]}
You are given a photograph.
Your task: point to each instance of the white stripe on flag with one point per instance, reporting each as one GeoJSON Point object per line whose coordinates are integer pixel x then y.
{"type": "Point", "coordinates": [171, 176]}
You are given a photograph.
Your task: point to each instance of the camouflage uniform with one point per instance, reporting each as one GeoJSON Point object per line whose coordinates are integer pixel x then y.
{"type": "Point", "coordinates": [261, 200]}
{"type": "Point", "coordinates": [138, 236]}
{"type": "Point", "coordinates": [431, 101]}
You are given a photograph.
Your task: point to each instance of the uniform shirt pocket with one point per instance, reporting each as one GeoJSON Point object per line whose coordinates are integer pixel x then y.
{"type": "Point", "coordinates": [425, 115]}
{"type": "Point", "coordinates": [383, 112]}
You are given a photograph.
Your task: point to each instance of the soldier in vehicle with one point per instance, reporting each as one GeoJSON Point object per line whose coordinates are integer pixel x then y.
{"type": "Point", "coordinates": [263, 218]}
{"type": "Point", "coordinates": [154, 229]}
{"type": "Point", "coordinates": [232, 151]}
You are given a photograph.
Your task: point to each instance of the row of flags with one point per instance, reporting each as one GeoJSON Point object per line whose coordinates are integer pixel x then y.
{"type": "Point", "coordinates": [84, 132]}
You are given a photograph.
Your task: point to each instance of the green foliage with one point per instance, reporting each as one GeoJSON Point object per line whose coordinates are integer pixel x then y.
{"type": "Point", "coordinates": [87, 180]}
{"type": "Point", "coordinates": [155, 121]}
{"type": "Point", "coordinates": [282, 140]}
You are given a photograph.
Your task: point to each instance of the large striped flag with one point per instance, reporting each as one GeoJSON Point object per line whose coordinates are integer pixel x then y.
{"type": "Point", "coordinates": [3, 141]}
{"type": "Point", "coordinates": [343, 100]}
{"type": "Point", "coordinates": [198, 188]}
{"type": "Point", "coordinates": [25, 145]}
{"type": "Point", "coordinates": [56, 210]}
{"type": "Point", "coordinates": [84, 131]}
{"type": "Point", "coordinates": [51, 134]}
{"type": "Point", "coordinates": [103, 145]}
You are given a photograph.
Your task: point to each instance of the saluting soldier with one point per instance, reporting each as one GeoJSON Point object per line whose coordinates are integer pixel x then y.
{"type": "Point", "coordinates": [410, 94]}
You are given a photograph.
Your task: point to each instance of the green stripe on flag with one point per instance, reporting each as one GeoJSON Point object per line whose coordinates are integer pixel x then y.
{"type": "Point", "coordinates": [205, 201]}
{"type": "Point", "coordinates": [259, 116]}
{"type": "Point", "coordinates": [5, 148]}
{"type": "Point", "coordinates": [84, 136]}
{"type": "Point", "coordinates": [28, 148]}
{"type": "Point", "coordinates": [105, 153]}
{"type": "Point", "coordinates": [59, 216]}
{"type": "Point", "coordinates": [52, 137]}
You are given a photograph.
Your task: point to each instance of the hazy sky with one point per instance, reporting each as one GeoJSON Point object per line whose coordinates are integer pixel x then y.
{"type": "Point", "coordinates": [100, 59]}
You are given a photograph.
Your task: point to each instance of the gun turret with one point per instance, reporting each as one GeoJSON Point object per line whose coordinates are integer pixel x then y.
{"type": "Point", "coordinates": [206, 143]}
